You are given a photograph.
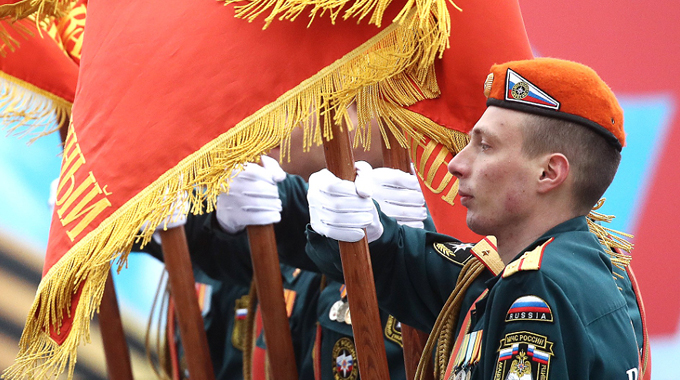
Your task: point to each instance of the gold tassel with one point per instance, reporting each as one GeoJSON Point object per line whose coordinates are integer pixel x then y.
{"type": "Point", "coordinates": [614, 240]}
{"type": "Point", "coordinates": [28, 110]}
{"type": "Point", "coordinates": [382, 88]}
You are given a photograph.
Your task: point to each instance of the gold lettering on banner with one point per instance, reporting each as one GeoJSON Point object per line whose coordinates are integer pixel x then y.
{"type": "Point", "coordinates": [71, 29]}
{"type": "Point", "coordinates": [78, 203]}
{"type": "Point", "coordinates": [428, 172]}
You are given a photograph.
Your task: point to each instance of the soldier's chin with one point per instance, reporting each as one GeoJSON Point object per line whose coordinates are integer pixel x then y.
{"type": "Point", "coordinates": [476, 226]}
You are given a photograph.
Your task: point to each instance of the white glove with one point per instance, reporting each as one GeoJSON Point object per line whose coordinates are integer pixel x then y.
{"type": "Point", "coordinates": [399, 196]}
{"type": "Point", "coordinates": [341, 209]}
{"type": "Point", "coordinates": [253, 197]}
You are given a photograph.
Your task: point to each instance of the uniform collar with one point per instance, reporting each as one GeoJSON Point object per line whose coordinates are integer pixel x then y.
{"type": "Point", "coordinates": [578, 223]}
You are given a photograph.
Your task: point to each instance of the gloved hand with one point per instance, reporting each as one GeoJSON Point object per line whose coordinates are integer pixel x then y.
{"type": "Point", "coordinates": [341, 209]}
{"type": "Point", "coordinates": [399, 196]}
{"type": "Point", "coordinates": [253, 197]}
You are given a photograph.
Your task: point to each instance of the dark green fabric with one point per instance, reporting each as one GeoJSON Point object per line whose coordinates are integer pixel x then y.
{"type": "Point", "coordinates": [412, 281]}
{"type": "Point", "coordinates": [592, 332]}
{"type": "Point", "coordinates": [223, 262]}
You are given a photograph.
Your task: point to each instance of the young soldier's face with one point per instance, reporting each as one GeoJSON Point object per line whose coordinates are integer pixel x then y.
{"type": "Point", "coordinates": [495, 177]}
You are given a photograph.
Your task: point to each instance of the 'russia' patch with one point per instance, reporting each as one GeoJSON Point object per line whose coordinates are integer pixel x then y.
{"type": "Point", "coordinates": [518, 89]}
{"type": "Point", "coordinates": [345, 360]}
{"type": "Point", "coordinates": [458, 253]}
{"type": "Point", "coordinates": [529, 308]}
{"type": "Point", "coordinates": [524, 355]}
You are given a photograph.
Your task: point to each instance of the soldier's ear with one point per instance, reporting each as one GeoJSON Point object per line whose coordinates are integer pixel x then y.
{"type": "Point", "coordinates": [554, 172]}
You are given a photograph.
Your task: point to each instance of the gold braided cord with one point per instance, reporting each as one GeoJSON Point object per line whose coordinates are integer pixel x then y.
{"type": "Point", "coordinates": [249, 333]}
{"type": "Point", "coordinates": [443, 334]}
{"type": "Point", "coordinates": [159, 308]}
{"type": "Point", "coordinates": [615, 241]}
{"type": "Point", "coordinates": [28, 110]}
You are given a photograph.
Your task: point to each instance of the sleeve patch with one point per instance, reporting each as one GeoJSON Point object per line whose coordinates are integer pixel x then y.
{"type": "Point", "coordinates": [529, 308]}
{"type": "Point", "coordinates": [523, 355]}
{"type": "Point", "coordinates": [458, 253]}
{"type": "Point", "coordinates": [530, 260]}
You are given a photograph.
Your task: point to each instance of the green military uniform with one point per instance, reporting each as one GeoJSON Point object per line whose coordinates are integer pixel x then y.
{"type": "Point", "coordinates": [220, 263]}
{"type": "Point", "coordinates": [338, 357]}
{"type": "Point", "coordinates": [336, 336]}
{"type": "Point", "coordinates": [554, 312]}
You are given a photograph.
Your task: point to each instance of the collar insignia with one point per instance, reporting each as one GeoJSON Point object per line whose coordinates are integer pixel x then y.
{"type": "Point", "coordinates": [487, 252]}
{"type": "Point", "coordinates": [530, 260]}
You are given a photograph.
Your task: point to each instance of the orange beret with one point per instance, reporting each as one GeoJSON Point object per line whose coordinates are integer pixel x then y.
{"type": "Point", "coordinates": [560, 89]}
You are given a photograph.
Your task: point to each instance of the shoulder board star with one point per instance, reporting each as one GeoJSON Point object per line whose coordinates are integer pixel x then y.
{"type": "Point", "coordinates": [487, 252]}
{"type": "Point", "coordinates": [530, 260]}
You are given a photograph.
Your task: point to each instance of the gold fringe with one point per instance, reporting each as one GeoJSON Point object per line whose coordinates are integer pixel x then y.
{"type": "Point", "coordinates": [614, 240]}
{"type": "Point", "coordinates": [432, 19]}
{"type": "Point", "coordinates": [389, 81]}
{"type": "Point", "coordinates": [28, 110]}
{"type": "Point", "coordinates": [40, 9]}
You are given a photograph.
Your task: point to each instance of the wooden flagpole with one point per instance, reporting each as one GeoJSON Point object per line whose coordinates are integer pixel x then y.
{"type": "Point", "coordinates": [116, 351]}
{"type": "Point", "coordinates": [183, 290]}
{"type": "Point", "coordinates": [269, 285]}
{"type": "Point", "coordinates": [358, 272]}
{"type": "Point", "coordinates": [397, 157]}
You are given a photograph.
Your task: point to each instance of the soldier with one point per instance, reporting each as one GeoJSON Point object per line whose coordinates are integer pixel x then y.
{"type": "Point", "coordinates": [539, 159]}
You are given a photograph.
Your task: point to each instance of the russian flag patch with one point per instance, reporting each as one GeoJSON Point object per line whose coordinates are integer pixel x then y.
{"type": "Point", "coordinates": [529, 308]}
{"type": "Point", "coordinates": [520, 90]}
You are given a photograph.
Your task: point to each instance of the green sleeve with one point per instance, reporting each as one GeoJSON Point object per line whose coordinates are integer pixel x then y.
{"type": "Point", "coordinates": [412, 281]}
{"type": "Point", "coordinates": [562, 344]}
{"type": "Point", "coordinates": [290, 232]}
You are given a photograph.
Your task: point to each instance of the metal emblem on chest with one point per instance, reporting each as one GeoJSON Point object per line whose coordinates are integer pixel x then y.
{"type": "Point", "coordinates": [345, 360]}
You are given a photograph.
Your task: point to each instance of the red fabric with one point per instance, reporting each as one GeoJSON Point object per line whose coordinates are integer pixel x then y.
{"type": "Point", "coordinates": [259, 367]}
{"type": "Point", "coordinates": [486, 32]}
{"type": "Point", "coordinates": [39, 60]}
{"type": "Point", "coordinates": [160, 79]}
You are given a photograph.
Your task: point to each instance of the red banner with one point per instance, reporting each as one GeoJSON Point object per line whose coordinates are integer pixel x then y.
{"type": "Point", "coordinates": [172, 95]}
{"type": "Point", "coordinates": [484, 33]}
{"type": "Point", "coordinates": [37, 78]}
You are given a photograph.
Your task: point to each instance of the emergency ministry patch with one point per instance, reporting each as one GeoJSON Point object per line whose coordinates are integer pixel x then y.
{"type": "Point", "coordinates": [520, 90]}
{"type": "Point", "coordinates": [458, 253]}
{"type": "Point", "coordinates": [393, 331]}
{"type": "Point", "coordinates": [524, 355]}
{"type": "Point", "coordinates": [529, 308]}
{"type": "Point", "coordinates": [345, 360]}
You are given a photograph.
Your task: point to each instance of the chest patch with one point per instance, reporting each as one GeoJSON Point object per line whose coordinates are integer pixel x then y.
{"type": "Point", "coordinates": [524, 356]}
{"type": "Point", "coordinates": [345, 360]}
{"type": "Point", "coordinates": [458, 253]}
{"type": "Point", "coordinates": [529, 308]}
{"type": "Point", "coordinates": [393, 331]}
